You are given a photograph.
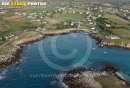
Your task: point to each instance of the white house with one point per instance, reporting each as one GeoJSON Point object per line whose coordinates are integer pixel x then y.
{"type": "Point", "coordinates": [112, 37]}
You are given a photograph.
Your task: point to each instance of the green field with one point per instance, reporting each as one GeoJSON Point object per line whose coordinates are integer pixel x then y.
{"type": "Point", "coordinates": [13, 24]}
{"type": "Point", "coordinates": [116, 19]}
{"type": "Point", "coordinates": [49, 7]}
{"type": "Point", "coordinates": [118, 26]}
{"type": "Point", "coordinates": [70, 16]}
{"type": "Point", "coordinates": [110, 82]}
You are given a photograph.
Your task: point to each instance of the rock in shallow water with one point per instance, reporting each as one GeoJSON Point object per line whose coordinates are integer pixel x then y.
{"type": "Point", "coordinates": [83, 78]}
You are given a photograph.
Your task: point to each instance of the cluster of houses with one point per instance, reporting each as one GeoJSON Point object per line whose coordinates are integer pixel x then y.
{"type": "Point", "coordinates": [2, 10]}
{"type": "Point", "coordinates": [8, 37]}
{"type": "Point", "coordinates": [32, 16]}
{"type": "Point", "coordinates": [19, 13]}
{"type": "Point", "coordinates": [89, 10]}
{"type": "Point", "coordinates": [125, 13]}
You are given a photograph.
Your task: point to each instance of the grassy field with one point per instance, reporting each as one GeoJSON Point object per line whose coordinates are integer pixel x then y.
{"type": "Point", "coordinates": [116, 19]}
{"type": "Point", "coordinates": [15, 24]}
{"type": "Point", "coordinates": [48, 7]}
{"type": "Point", "coordinates": [55, 19]}
{"type": "Point", "coordinates": [70, 16]}
{"type": "Point", "coordinates": [119, 41]}
{"type": "Point", "coordinates": [12, 24]}
{"type": "Point", "coordinates": [122, 27]}
{"type": "Point", "coordinates": [123, 33]}
{"type": "Point", "coordinates": [78, 9]}
{"type": "Point", "coordinates": [119, 27]}
{"type": "Point", "coordinates": [110, 82]}
{"type": "Point", "coordinates": [126, 7]}
{"type": "Point", "coordinates": [52, 20]}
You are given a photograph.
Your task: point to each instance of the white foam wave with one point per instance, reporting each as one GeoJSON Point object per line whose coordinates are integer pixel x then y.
{"type": "Point", "coordinates": [61, 83]}
{"type": "Point", "coordinates": [2, 77]}
{"type": "Point", "coordinates": [120, 75]}
{"type": "Point", "coordinates": [60, 77]}
{"type": "Point", "coordinates": [3, 73]}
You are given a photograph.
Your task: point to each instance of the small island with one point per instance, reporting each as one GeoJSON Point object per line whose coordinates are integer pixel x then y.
{"type": "Point", "coordinates": [88, 78]}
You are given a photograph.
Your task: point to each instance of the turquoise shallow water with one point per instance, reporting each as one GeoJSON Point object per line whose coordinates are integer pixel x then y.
{"type": "Point", "coordinates": [35, 72]}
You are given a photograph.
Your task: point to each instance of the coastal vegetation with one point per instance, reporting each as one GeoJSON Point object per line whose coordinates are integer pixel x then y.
{"type": "Point", "coordinates": [114, 25]}
{"type": "Point", "coordinates": [106, 83]}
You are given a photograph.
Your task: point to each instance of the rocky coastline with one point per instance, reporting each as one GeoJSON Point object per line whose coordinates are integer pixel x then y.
{"type": "Point", "coordinates": [85, 78]}
{"type": "Point", "coordinates": [102, 43]}
{"type": "Point", "coordinates": [81, 78]}
{"type": "Point", "coordinates": [13, 57]}
{"type": "Point", "coordinates": [112, 44]}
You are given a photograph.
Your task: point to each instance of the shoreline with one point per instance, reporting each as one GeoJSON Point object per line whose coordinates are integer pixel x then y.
{"type": "Point", "coordinates": [81, 78]}
{"type": "Point", "coordinates": [86, 78]}
{"type": "Point", "coordinates": [14, 58]}
{"type": "Point", "coordinates": [15, 54]}
{"type": "Point", "coordinates": [103, 43]}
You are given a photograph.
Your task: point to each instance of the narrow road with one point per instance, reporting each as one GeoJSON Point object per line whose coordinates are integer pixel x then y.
{"type": "Point", "coordinates": [5, 43]}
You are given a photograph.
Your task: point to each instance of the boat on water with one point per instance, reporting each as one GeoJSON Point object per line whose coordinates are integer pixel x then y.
{"type": "Point", "coordinates": [105, 52]}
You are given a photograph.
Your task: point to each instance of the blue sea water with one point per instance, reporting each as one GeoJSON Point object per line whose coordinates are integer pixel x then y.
{"type": "Point", "coordinates": [36, 71]}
